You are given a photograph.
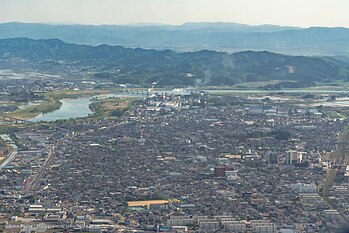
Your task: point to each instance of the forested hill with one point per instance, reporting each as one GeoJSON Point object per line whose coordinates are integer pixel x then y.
{"type": "Point", "coordinates": [142, 66]}
{"type": "Point", "coordinates": [229, 37]}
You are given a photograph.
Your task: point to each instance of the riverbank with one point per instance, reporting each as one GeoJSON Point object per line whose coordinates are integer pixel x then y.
{"type": "Point", "coordinates": [69, 104]}
{"type": "Point", "coordinates": [71, 108]}
{"type": "Point", "coordinates": [49, 104]}
{"type": "Point", "coordinates": [52, 101]}
{"type": "Point", "coordinates": [111, 106]}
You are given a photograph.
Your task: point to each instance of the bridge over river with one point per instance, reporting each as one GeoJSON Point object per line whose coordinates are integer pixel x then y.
{"type": "Point", "coordinates": [14, 120]}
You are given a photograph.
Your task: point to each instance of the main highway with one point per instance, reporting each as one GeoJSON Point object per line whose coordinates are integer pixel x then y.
{"type": "Point", "coordinates": [12, 154]}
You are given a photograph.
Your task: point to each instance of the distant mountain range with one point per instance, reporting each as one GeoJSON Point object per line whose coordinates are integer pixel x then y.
{"type": "Point", "coordinates": [230, 37]}
{"type": "Point", "coordinates": [142, 66]}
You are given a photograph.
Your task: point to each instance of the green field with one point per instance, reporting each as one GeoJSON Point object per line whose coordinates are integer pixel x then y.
{"type": "Point", "coordinates": [50, 104]}
{"type": "Point", "coordinates": [111, 106]}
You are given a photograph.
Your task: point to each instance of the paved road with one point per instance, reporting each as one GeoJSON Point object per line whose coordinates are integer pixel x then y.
{"type": "Point", "coordinates": [9, 158]}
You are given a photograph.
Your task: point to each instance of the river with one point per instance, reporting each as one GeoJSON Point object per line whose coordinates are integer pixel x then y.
{"type": "Point", "coordinates": [76, 108]}
{"type": "Point", "coordinates": [71, 108]}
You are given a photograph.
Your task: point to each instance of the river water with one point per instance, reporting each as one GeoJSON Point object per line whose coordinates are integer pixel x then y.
{"type": "Point", "coordinates": [76, 108]}
{"type": "Point", "coordinates": [71, 108]}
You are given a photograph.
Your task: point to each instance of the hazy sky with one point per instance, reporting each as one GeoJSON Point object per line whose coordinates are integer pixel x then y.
{"type": "Point", "coordinates": [284, 12]}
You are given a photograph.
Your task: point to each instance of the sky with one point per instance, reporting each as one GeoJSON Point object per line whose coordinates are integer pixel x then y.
{"type": "Point", "coordinates": [302, 13]}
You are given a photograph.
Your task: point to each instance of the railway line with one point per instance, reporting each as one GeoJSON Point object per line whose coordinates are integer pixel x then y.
{"type": "Point", "coordinates": [339, 163]}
